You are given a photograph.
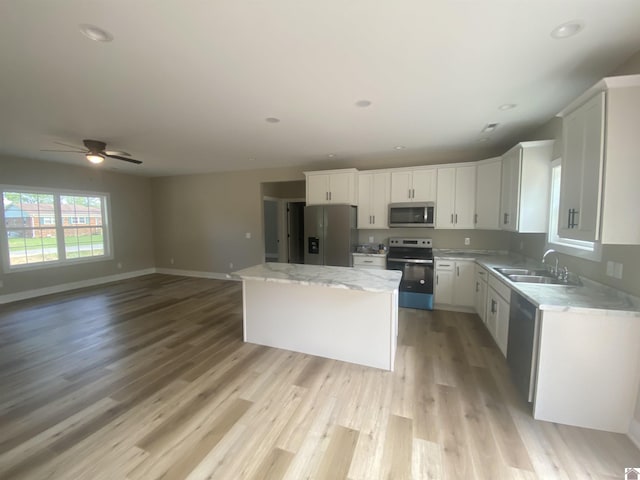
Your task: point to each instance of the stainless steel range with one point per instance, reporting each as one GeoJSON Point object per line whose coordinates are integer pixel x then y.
{"type": "Point", "coordinates": [414, 257]}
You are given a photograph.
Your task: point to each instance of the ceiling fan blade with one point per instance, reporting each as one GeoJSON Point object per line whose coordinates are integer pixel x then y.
{"type": "Point", "coordinates": [124, 159]}
{"type": "Point", "coordinates": [117, 152]}
{"type": "Point", "coordinates": [68, 151]}
{"type": "Point", "coordinates": [67, 145]}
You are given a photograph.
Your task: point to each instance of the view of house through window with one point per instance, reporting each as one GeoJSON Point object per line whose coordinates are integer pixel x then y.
{"type": "Point", "coordinates": [53, 227]}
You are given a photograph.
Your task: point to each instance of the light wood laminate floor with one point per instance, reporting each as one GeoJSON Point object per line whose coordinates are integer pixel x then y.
{"type": "Point", "coordinates": [149, 378]}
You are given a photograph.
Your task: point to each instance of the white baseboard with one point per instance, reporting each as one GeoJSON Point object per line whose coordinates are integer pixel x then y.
{"type": "Point", "coordinates": [63, 287]}
{"type": "Point", "coordinates": [634, 432]}
{"type": "Point", "coordinates": [196, 273]}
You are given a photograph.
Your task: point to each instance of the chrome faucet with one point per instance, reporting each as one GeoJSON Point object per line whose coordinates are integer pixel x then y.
{"type": "Point", "coordinates": [554, 269]}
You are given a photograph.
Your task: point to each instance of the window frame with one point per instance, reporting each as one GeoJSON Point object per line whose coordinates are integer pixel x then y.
{"type": "Point", "coordinates": [107, 234]}
{"type": "Point", "coordinates": [576, 248]}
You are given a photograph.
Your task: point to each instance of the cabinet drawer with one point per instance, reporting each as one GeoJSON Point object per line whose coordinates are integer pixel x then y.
{"type": "Point", "coordinates": [369, 262]}
{"type": "Point", "coordinates": [501, 289]}
{"type": "Point", "coordinates": [482, 275]}
{"type": "Point", "coordinates": [446, 265]}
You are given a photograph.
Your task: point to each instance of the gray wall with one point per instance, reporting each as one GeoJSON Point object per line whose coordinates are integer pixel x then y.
{"type": "Point", "coordinates": [201, 221]}
{"type": "Point", "coordinates": [130, 215]}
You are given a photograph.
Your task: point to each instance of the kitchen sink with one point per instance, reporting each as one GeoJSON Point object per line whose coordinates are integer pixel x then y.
{"type": "Point", "coordinates": [523, 271]}
{"type": "Point", "coordinates": [545, 279]}
{"type": "Point", "coordinates": [540, 276]}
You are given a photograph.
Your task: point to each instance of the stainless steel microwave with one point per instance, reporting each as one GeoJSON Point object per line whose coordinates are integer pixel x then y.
{"type": "Point", "coordinates": [415, 214]}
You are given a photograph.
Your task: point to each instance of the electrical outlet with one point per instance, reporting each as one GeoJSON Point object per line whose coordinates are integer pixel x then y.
{"type": "Point", "coordinates": [609, 269]}
{"type": "Point", "coordinates": [230, 264]}
{"type": "Point", "coordinates": [467, 241]}
{"type": "Point", "coordinates": [521, 244]}
{"type": "Point", "coordinates": [370, 239]}
{"type": "Point", "coordinates": [617, 271]}
{"type": "Point", "coordinates": [119, 265]}
{"type": "Point", "coordinates": [247, 235]}
{"type": "Point", "coordinates": [171, 261]}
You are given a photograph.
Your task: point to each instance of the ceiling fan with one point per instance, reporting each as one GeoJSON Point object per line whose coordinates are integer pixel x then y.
{"type": "Point", "coordinates": [95, 151]}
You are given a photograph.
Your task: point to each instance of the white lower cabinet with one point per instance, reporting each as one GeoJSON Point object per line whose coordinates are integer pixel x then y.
{"type": "Point", "coordinates": [454, 284]}
{"type": "Point", "coordinates": [370, 262]}
{"type": "Point", "coordinates": [481, 292]}
{"type": "Point", "coordinates": [498, 304]}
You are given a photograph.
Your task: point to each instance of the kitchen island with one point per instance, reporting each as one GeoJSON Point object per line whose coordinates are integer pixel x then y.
{"type": "Point", "coordinates": [341, 313]}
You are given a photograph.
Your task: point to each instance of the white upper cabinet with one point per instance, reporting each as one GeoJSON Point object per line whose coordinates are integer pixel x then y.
{"type": "Point", "coordinates": [599, 194]}
{"type": "Point", "coordinates": [374, 194]}
{"type": "Point", "coordinates": [332, 187]}
{"type": "Point", "coordinates": [526, 179]}
{"type": "Point", "coordinates": [488, 181]}
{"type": "Point", "coordinates": [456, 198]}
{"type": "Point", "coordinates": [413, 185]}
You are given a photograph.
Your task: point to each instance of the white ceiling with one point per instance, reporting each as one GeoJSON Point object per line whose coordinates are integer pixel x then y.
{"type": "Point", "coordinates": [186, 85]}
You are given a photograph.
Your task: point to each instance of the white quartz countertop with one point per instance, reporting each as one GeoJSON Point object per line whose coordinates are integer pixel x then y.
{"type": "Point", "coordinates": [591, 297]}
{"type": "Point", "coordinates": [332, 277]}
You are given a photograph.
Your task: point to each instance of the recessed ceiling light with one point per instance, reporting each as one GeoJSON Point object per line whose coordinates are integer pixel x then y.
{"type": "Point", "coordinates": [399, 147]}
{"type": "Point", "coordinates": [483, 139]}
{"type": "Point", "coordinates": [95, 33]}
{"type": "Point", "coordinates": [507, 106]}
{"type": "Point", "coordinates": [272, 120]}
{"type": "Point", "coordinates": [363, 103]}
{"type": "Point", "coordinates": [567, 30]}
{"type": "Point", "coordinates": [331, 155]}
{"type": "Point", "coordinates": [490, 127]}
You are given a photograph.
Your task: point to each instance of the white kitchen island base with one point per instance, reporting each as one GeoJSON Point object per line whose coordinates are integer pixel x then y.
{"type": "Point", "coordinates": [330, 319]}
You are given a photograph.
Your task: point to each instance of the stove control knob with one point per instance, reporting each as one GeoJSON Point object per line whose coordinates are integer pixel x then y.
{"type": "Point", "coordinates": [421, 282]}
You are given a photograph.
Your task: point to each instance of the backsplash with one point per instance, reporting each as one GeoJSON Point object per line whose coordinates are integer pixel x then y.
{"type": "Point", "coordinates": [452, 239]}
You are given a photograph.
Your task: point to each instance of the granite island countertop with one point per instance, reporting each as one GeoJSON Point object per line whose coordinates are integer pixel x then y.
{"type": "Point", "coordinates": [325, 276]}
{"type": "Point", "coordinates": [590, 298]}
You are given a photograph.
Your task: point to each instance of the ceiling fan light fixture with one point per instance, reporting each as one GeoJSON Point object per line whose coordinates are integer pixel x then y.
{"type": "Point", "coordinates": [95, 158]}
{"type": "Point", "coordinates": [94, 33]}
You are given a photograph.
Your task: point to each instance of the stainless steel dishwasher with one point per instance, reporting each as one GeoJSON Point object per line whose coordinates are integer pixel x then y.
{"type": "Point", "coordinates": [522, 346]}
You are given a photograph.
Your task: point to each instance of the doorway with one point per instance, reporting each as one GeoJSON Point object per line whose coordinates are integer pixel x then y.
{"type": "Point", "coordinates": [295, 231]}
{"type": "Point", "coordinates": [283, 221]}
{"type": "Point", "coordinates": [271, 230]}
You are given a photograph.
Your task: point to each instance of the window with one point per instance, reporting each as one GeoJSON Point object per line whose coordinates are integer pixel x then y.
{"type": "Point", "coordinates": [45, 228]}
{"type": "Point", "coordinates": [577, 248]}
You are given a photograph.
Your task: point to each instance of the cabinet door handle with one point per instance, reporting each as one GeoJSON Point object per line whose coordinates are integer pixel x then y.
{"type": "Point", "coordinates": [572, 218]}
{"type": "Point", "coordinates": [452, 218]}
{"type": "Point", "coordinates": [456, 218]}
{"type": "Point", "coordinates": [493, 306]}
{"type": "Point", "coordinates": [569, 218]}
{"type": "Point", "coordinates": [413, 193]}
{"type": "Point", "coordinates": [458, 271]}
{"type": "Point", "coordinates": [409, 194]}
{"type": "Point", "coordinates": [475, 218]}
{"type": "Point", "coordinates": [374, 219]}
{"type": "Point", "coordinates": [477, 287]}
{"type": "Point", "coordinates": [437, 280]}
{"type": "Point", "coordinates": [330, 196]}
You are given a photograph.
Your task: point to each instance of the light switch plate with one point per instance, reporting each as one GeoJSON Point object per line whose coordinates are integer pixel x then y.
{"type": "Point", "coordinates": [617, 270]}
{"type": "Point", "coordinates": [247, 235]}
{"type": "Point", "coordinates": [467, 241]}
{"type": "Point", "coordinates": [370, 239]}
{"type": "Point", "coordinates": [609, 269]}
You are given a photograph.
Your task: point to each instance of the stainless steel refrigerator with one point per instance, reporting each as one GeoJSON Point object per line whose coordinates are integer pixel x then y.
{"type": "Point", "coordinates": [330, 235]}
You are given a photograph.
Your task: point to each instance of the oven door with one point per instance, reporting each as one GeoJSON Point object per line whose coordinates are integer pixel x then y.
{"type": "Point", "coordinates": [417, 275]}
